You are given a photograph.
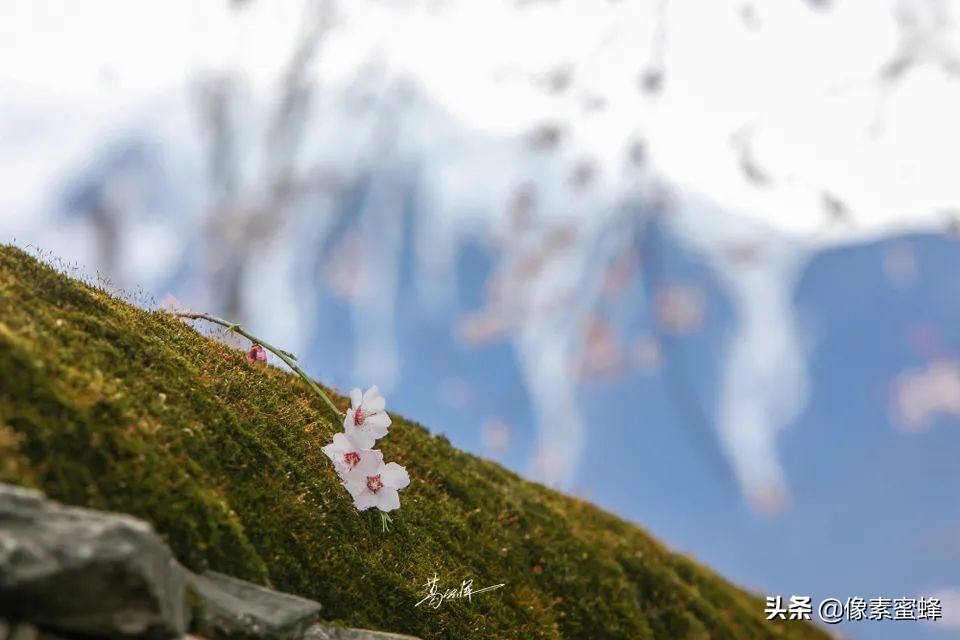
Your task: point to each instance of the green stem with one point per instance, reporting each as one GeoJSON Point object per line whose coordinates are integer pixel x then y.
{"type": "Point", "coordinates": [288, 358]}
{"type": "Point", "coordinates": [385, 521]}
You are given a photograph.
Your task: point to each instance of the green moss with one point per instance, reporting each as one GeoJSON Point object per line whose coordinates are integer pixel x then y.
{"type": "Point", "coordinates": [107, 405]}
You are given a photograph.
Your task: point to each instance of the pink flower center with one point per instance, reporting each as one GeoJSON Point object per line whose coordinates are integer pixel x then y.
{"type": "Point", "coordinates": [358, 417]}
{"type": "Point", "coordinates": [374, 483]}
{"type": "Point", "coordinates": [351, 458]}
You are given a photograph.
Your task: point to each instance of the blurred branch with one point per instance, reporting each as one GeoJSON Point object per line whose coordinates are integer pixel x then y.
{"type": "Point", "coordinates": [690, 412]}
{"type": "Point", "coordinates": [742, 142]}
{"type": "Point", "coordinates": [652, 78]}
{"type": "Point", "coordinates": [288, 358]}
{"type": "Point", "coordinates": [238, 221]}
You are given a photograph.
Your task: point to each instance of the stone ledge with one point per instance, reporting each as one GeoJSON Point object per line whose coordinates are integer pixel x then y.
{"type": "Point", "coordinates": [68, 572]}
{"type": "Point", "coordinates": [235, 608]}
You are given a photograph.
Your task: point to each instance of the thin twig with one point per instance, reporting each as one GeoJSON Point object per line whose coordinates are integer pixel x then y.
{"type": "Point", "coordinates": [288, 358]}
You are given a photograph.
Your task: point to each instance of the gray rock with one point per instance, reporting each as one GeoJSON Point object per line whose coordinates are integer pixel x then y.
{"type": "Point", "coordinates": [24, 632]}
{"type": "Point", "coordinates": [86, 572]}
{"type": "Point", "coordinates": [233, 608]}
{"type": "Point", "coordinates": [79, 572]}
{"type": "Point", "coordinates": [10, 631]}
{"type": "Point", "coordinates": [325, 632]}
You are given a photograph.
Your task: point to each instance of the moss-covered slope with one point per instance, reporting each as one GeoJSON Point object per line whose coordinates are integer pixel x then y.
{"type": "Point", "coordinates": [106, 405]}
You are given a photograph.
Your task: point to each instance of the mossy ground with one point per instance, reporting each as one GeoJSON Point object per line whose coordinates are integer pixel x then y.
{"type": "Point", "coordinates": [106, 405]}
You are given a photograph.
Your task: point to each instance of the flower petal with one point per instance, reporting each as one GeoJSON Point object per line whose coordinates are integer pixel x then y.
{"type": "Point", "coordinates": [335, 450]}
{"type": "Point", "coordinates": [331, 451]}
{"type": "Point", "coordinates": [348, 420]}
{"type": "Point", "coordinates": [366, 499]}
{"type": "Point", "coordinates": [355, 486]}
{"type": "Point", "coordinates": [394, 476]}
{"type": "Point", "coordinates": [360, 438]}
{"type": "Point", "coordinates": [375, 406]}
{"type": "Point", "coordinates": [356, 397]}
{"type": "Point", "coordinates": [370, 461]}
{"type": "Point", "coordinates": [377, 419]}
{"type": "Point", "coordinates": [342, 443]}
{"type": "Point", "coordinates": [375, 432]}
{"type": "Point", "coordinates": [372, 400]}
{"type": "Point", "coordinates": [387, 499]}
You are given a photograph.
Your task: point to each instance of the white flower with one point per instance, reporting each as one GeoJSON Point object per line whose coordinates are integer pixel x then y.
{"type": "Point", "coordinates": [371, 482]}
{"type": "Point", "coordinates": [378, 489]}
{"type": "Point", "coordinates": [349, 460]}
{"type": "Point", "coordinates": [366, 419]}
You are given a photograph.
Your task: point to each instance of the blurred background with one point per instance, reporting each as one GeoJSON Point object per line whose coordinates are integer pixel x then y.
{"type": "Point", "coordinates": [693, 261]}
